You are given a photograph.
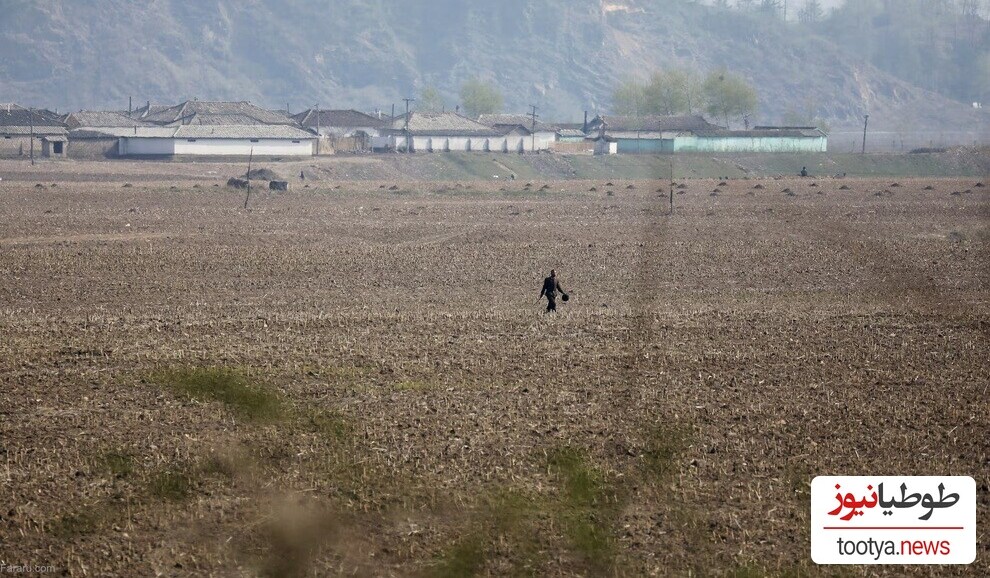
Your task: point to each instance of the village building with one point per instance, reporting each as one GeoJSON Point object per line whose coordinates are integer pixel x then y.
{"type": "Point", "coordinates": [604, 145]}
{"type": "Point", "coordinates": [95, 134]}
{"type": "Point", "coordinates": [217, 140]}
{"type": "Point", "coordinates": [344, 130]}
{"type": "Point", "coordinates": [23, 130]}
{"type": "Point", "coordinates": [646, 134]}
{"type": "Point", "coordinates": [544, 135]}
{"type": "Point", "coordinates": [340, 123]}
{"type": "Point", "coordinates": [570, 134]}
{"type": "Point", "coordinates": [693, 134]}
{"type": "Point", "coordinates": [100, 119]}
{"type": "Point", "coordinates": [764, 139]}
{"type": "Point", "coordinates": [452, 132]}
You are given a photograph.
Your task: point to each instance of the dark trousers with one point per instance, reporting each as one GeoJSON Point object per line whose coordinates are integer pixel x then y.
{"type": "Point", "coordinates": [551, 303]}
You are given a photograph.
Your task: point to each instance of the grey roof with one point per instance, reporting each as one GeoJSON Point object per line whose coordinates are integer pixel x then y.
{"type": "Point", "coordinates": [196, 111]}
{"type": "Point", "coordinates": [22, 117]}
{"type": "Point", "coordinates": [497, 120]}
{"type": "Point", "coordinates": [149, 108]}
{"type": "Point", "coordinates": [99, 118]}
{"type": "Point", "coordinates": [151, 131]}
{"type": "Point", "coordinates": [26, 130]}
{"type": "Point", "coordinates": [441, 124]}
{"type": "Point", "coordinates": [87, 133]}
{"type": "Point", "coordinates": [339, 118]}
{"type": "Point", "coordinates": [186, 131]}
{"type": "Point", "coordinates": [652, 123]}
{"type": "Point", "coordinates": [218, 119]}
{"type": "Point", "coordinates": [575, 132]}
{"type": "Point", "coordinates": [762, 132]}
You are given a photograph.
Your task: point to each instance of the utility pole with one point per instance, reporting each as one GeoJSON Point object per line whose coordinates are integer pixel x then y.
{"type": "Point", "coordinates": [317, 129]}
{"type": "Point", "coordinates": [533, 115]}
{"type": "Point", "coordinates": [671, 187]}
{"type": "Point", "coordinates": [408, 100]}
{"type": "Point", "coordinates": [866, 123]}
{"type": "Point", "coordinates": [31, 120]}
{"type": "Point", "coordinates": [248, 196]}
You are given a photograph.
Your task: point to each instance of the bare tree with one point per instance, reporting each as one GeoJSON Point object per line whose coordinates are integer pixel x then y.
{"type": "Point", "coordinates": [811, 12]}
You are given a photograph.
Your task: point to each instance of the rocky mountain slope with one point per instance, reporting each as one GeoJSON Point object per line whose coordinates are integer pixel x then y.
{"type": "Point", "coordinates": [563, 55]}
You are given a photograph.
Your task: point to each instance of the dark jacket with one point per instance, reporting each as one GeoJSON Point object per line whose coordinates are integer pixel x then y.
{"type": "Point", "coordinates": [550, 287]}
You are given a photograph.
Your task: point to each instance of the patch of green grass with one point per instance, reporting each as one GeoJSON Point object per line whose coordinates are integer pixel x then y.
{"type": "Point", "coordinates": [664, 444]}
{"type": "Point", "coordinates": [584, 510]}
{"type": "Point", "coordinates": [233, 389]}
{"type": "Point", "coordinates": [119, 464]}
{"type": "Point", "coordinates": [414, 385]}
{"type": "Point", "coordinates": [747, 571]}
{"type": "Point", "coordinates": [328, 424]}
{"type": "Point", "coordinates": [465, 558]}
{"type": "Point", "coordinates": [171, 485]}
{"type": "Point", "coordinates": [504, 517]}
{"type": "Point", "coordinates": [81, 523]}
{"type": "Point", "coordinates": [222, 466]}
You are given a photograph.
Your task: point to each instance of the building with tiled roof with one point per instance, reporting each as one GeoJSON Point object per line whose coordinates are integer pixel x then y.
{"type": "Point", "coordinates": [211, 112]}
{"type": "Point", "coordinates": [24, 132]}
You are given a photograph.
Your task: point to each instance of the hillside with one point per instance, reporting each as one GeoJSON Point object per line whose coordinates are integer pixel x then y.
{"type": "Point", "coordinates": [565, 55]}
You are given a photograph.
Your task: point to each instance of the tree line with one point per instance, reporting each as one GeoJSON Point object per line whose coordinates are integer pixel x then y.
{"type": "Point", "coordinates": [722, 95]}
{"type": "Point", "coordinates": [477, 97]}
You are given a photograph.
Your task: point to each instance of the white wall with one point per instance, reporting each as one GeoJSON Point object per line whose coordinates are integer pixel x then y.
{"type": "Point", "coordinates": [131, 146]}
{"type": "Point", "coordinates": [243, 147]}
{"type": "Point", "coordinates": [511, 143]}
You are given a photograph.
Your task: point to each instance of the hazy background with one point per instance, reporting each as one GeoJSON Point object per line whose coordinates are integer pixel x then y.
{"type": "Point", "coordinates": [913, 65]}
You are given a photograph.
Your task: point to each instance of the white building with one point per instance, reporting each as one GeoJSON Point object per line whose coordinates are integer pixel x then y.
{"type": "Point", "coordinates": [543, 134]}
{"type": "Point", "coordinates": [340, 123]}
{"type": "Point", "coordinates": [451, 132]}
{"type": "Point", "coordinates": [216, 140]}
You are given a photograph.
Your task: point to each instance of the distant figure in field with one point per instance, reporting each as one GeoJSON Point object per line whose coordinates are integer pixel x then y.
{"type": "Point", "coordinates": [302, 176]}
{"type": "Point", "coordinates": [550, 288]}
{"type": "Point", "coordinates": [804, 171]}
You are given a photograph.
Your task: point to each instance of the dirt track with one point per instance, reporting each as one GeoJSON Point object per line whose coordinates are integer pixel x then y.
{"type": "Point", "coordinates": [428, 418]}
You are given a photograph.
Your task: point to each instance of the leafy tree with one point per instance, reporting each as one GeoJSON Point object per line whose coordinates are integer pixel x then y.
{"type": "Point", "coordinates": [479, 97]}
{"type": "Point", "coordinates": [629, 98]}
{"type": "Point", "coordinates": [674, 91]}
{"type": "Point", "coordinates": [430, 100]}
{"type": "Point", "coordinates": [668, 92]}
{"type": "Point", "coordinates": [728, 96]}
{"type": "Point", "coordinates": [808, 116]}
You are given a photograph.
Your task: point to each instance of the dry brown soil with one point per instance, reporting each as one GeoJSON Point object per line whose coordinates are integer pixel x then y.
{"type": "Point", "coordinates": [406, 408]}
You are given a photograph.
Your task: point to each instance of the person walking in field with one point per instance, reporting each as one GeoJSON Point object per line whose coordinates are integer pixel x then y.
{"type": "Point", "coordinates": [550, 288]}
